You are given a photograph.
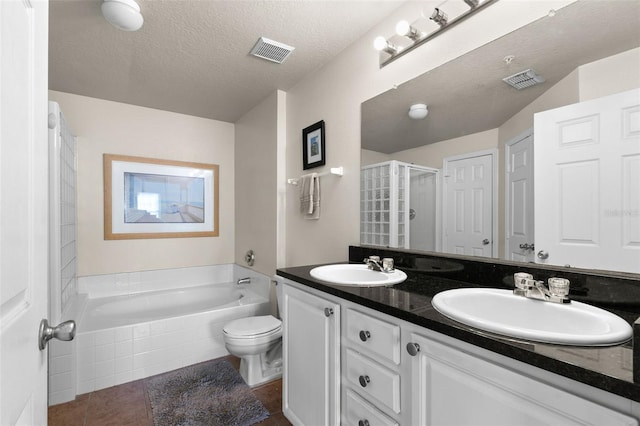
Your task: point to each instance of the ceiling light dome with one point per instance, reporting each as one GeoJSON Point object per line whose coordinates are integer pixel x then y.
{"type": "Point", "coordinates": [123, 14]}
{"type": "Point", "coordinates": [418, 111]}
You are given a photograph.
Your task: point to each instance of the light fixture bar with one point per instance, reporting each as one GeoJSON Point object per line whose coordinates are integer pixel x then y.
{"type": "Point", "coordinates": [385, 59]}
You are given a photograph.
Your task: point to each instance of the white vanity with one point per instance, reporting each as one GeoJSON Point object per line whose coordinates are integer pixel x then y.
{"type": "Point", "coordinates": [345, 363]}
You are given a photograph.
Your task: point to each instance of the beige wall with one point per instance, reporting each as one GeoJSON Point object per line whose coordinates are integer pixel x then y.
{"type": "Point", "coordinates": [334, 94]}
{"type": "Point", "coordinates": [611, 75]}
{"type": "Point", "coordinates": [256, 157]}
{"type": "Point", "coordinates": [115, 128]}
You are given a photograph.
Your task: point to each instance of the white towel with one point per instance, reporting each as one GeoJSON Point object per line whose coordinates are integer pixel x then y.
{"type": "Point", "coordinates": [310, 196]}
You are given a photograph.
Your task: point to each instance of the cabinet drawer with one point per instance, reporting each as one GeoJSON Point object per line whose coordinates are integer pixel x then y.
{"type": "Point", "coordinates": [358, 410]}
{"type": "Point", "coordinates": [373, 379]}
{"type": "Point", "coordinates": [373, 336]}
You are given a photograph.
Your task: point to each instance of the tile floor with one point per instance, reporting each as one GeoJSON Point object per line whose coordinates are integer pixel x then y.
{"type": "Point", "coordinates": [128, 405]}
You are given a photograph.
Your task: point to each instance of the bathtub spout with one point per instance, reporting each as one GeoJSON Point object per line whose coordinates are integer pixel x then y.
{"type": "Point", "coordinates": [246, 280]}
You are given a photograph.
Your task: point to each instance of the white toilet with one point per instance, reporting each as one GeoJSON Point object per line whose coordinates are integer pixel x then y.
{"type": "Point", "coordinates": [257, 341]}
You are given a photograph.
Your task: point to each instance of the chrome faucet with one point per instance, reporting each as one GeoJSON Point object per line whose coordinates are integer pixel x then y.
{"type": "Point", "coordinates": [246, 280]}
{"type": "Point", "coordinates": [373, 263]}
{"type": "Point", "coordinates": [557, 290]}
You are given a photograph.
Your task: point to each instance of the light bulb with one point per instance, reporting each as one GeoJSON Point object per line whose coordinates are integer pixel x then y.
{"type": "Point", "coordinates": [403, 28]}
{"type": "Point", "coordinates": [380, 43]}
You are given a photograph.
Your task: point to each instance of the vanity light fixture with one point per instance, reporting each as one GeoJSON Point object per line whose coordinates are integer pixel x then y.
{"type": "Point", "coordinates": [418, 111]}
{"type": "Point", "coordinates": [389, 51]}
{"type": "Point", "coordinates": [123, 14]}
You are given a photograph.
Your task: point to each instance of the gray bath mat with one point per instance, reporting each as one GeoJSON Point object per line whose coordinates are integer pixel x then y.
{"type": "Point", "coordinates": [211, 393]}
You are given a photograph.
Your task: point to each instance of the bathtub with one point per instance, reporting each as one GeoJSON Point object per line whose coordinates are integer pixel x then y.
{"type": "Point", "coordinates": [128, 337]}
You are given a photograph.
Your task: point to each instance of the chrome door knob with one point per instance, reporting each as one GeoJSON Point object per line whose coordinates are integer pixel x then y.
{"type": "Point", "coordinates": [364, 335]}
{"type": "Point", "coordinates": [328, 312]}
{"type": "Point", "coordinates": [64, 331]}
{"type": "Point", "coordinates": [413, 348]}
{"type": "Point", "coordinates": [485, 241]}
{"type": "Point", "coordinates": [364, 381]}
{"type": "Point", "coordinates": [543, 255]}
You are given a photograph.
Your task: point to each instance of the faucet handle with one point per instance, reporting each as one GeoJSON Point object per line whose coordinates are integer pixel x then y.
{"type": "Point", "coordinates": [559, 286]}
{"type": "Point", "coordinates": [520, 279]}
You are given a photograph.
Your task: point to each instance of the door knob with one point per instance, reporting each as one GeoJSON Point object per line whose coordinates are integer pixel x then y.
{"type": "Point", "coordinates": [485, 241]}
{"type": "Point", "coordinates": [63, 331]}
{"type": "Point", "coordinates": [543, 255]}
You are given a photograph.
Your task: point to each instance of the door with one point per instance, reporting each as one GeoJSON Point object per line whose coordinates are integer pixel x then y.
{"type": "Point", "coordinates": [469, 205]}
{"type": "Point", "coordinates": [311, 357]}
{"type": "Point", "coordinates": [23, 210]}
{"type": "Point", "coordinates": [587, 195]}
{"type": "Point", "coordinates": [519, 220]}
{"type": "Point", "coordinates": [423, 197]}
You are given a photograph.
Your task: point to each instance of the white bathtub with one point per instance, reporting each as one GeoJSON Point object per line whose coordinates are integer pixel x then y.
{"type": "Point", "coordinates": [129, 337]}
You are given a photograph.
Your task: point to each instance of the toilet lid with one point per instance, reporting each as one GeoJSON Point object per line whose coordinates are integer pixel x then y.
{"type": "Point", "coordinates": [252, 326]}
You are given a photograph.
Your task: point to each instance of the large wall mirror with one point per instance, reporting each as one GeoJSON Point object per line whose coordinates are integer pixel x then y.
{"type": "Point", "coordinates": [481, 128]}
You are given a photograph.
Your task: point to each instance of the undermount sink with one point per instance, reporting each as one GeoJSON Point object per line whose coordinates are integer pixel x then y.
{"type": "Point", "coordinates": [356, 275]}
{"type": "Point", "coordinates": [502, 312]}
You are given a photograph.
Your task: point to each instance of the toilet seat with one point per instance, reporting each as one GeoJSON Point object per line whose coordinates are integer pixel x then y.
{"type": "Point", "coordinates": [253, 327]}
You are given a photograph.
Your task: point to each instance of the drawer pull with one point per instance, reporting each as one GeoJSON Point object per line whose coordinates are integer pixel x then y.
{"type": "Point", "coordinates": [364, 422]}
{"type": "Point", "coordinates": [328, 312]}
{"type": "Point", "coordinates": [364, 335]}
{"type": "Point", "coordinates": [364, 380]}
{"type": "Point", "coordinates": [413, 348]}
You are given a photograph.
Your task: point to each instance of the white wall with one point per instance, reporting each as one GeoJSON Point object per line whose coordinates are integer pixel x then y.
{"type": "Point", "coordinates": [256, 159]}
{"type": "Point", "coordinates": [611, 75]}
{"type": "Point", "coordinates": [116, 128]}
{"type": "Point", "coordinates": [334, 94]}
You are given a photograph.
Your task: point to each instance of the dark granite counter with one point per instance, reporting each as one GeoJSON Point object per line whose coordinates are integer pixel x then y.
{"type": "Point", "coordinates": [607, 368]}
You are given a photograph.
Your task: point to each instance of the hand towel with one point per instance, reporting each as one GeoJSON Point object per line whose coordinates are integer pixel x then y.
{"type": "Point", "coordinates": [310, 196]}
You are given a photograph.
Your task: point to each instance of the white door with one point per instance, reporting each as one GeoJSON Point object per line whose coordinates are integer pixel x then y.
{"type": "Point", "coordinates": [469, 205]}
{"type": "Point", "coordinates": [519, 219]}
{"type": "Point", "coordinates": [23, 210]}
{"type": "Point", "coordinates": [423, 209]}
{"type": "Point", "coordinates": [587, 195]}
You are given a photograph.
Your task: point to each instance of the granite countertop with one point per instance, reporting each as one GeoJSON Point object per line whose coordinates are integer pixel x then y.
{"type": "Point", "coordinates": [607, 368]}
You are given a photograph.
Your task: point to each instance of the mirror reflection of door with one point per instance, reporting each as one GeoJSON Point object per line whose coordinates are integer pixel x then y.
{"type": "Point", "coordinates": [587, 195]}
{"type": "Point", "coordinates": [423, 209]}
{"type": "Point", "coordinates": [519, 220]}
{"type": "Point", "coordinates": [468, 204]}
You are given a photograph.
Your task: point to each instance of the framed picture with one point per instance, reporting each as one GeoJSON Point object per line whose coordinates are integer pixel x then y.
{"type": "Point", "coordinates": [313, 154]}
{"type": "Point", "coordinates": [151, 198]}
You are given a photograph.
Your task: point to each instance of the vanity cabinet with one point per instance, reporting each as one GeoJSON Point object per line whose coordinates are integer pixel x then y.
{"type": "Point", "coordinates": [452, 386]}
{"type": "Point", "coordinates": [358, 366]}
{"type": "Point", "coordinates": [311, 358]}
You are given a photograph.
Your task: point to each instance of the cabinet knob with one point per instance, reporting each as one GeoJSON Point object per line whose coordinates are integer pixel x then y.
{"type": "Point", "coordinates": [328, 312]}
{"type": "Point", "coordinates": [363, 422]}
{"type": "Point", "coordinates": [364, 335]}
{"type": "Point", "coordinates": [413, 348]}
{"type": "Point", "coordinates": [364, 380]}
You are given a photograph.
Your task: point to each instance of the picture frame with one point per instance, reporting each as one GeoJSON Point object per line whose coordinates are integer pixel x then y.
{"type": "Point", "coordinates": [154, 198]}
{"type": "Point", "coordinates": [313, 148]}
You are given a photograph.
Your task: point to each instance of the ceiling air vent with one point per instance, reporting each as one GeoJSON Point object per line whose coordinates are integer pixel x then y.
{"type": "Point", "coordinates": [271, 50]}
{"type": "Point", "coordinates": [524, 79]}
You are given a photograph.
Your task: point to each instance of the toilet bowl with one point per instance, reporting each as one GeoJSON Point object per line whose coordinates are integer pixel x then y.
{"type": "Point", "coordinates": [257, 341]}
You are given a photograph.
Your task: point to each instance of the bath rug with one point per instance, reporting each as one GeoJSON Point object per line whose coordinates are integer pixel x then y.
{"type": "Point", "coordinates": [211, 393]}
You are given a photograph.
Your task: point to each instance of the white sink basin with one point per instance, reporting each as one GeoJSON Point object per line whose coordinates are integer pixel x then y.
{"type": "Point", "coordinates": [502, 312]}
{"type": "Point", "coordinates": [357, 275]}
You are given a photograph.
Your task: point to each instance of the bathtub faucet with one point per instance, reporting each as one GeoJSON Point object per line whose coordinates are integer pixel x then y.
{"type": "Point", "coordinates": [246, 280]}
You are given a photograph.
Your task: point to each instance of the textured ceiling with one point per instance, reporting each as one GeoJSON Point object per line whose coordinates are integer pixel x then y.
{"type": "Point", "coordinates": [192, 56]}
{"type": "Point", "coordinates": [467, 95]}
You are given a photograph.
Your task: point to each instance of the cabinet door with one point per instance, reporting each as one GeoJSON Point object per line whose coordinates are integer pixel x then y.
{"type": "Point", "coordinates": [311, 355]}
{"type": "Point", "coordinates": [452, 387]}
